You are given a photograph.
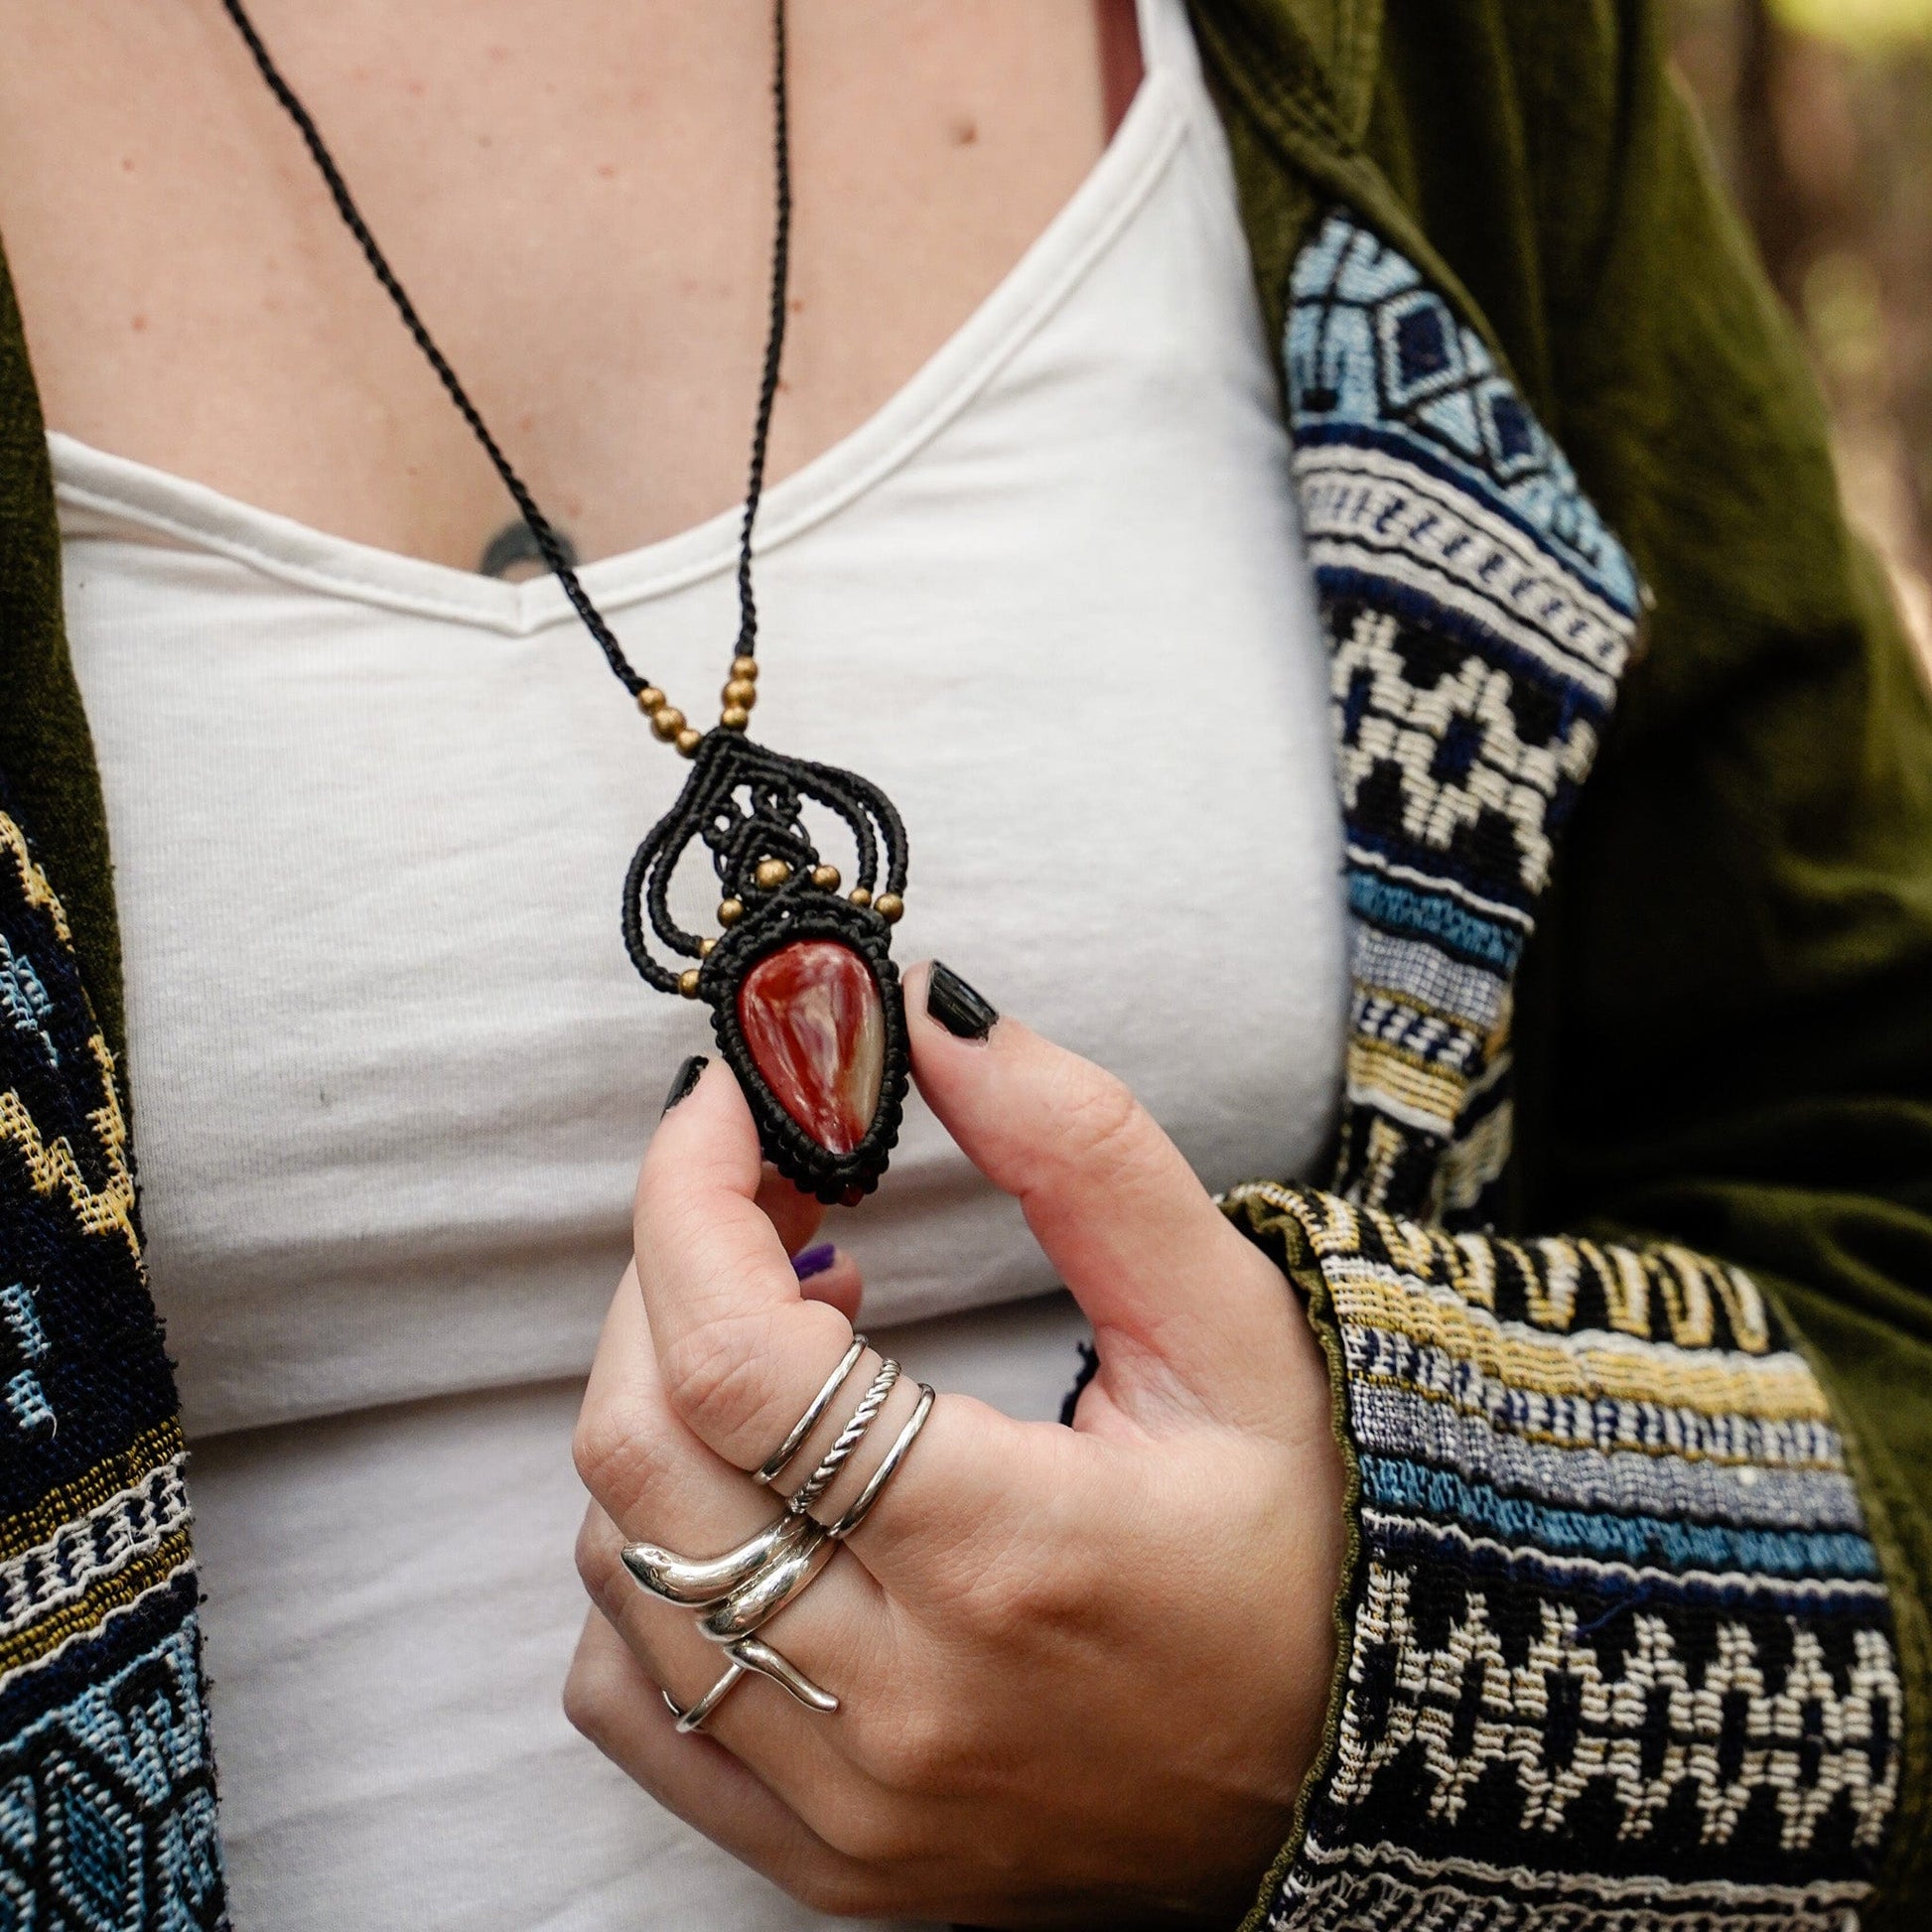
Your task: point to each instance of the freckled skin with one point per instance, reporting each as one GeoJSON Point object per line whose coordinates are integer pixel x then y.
{"type": "Point", "coordinates": [578, 198]}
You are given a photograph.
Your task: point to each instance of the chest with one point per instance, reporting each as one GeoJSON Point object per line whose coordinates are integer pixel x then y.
{"type": "Point", "coordinates": [578, 196]}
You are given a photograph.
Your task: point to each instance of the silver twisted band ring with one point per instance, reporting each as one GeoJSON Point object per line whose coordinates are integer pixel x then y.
{"type": "Point", "coordinates": [693, 1718]}
{"type": "Point", "coordinates": [850, 1436]}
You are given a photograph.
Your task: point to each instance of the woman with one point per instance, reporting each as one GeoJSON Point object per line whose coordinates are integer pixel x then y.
{"type": "Point", "coordinates": [1609, 1491]}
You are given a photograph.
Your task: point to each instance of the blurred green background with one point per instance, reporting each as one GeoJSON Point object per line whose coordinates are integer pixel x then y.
{"type": "Point", "coordinates": [1820, 111]}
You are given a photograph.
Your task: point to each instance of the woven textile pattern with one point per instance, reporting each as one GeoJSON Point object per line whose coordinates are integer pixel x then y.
{"type": "Point", "coordinates": [107, 1773]}
{"type": "Point", "coordinates": [1621, 1655]}
{"type": "Point", "coordinates": [1618, 1653]}
{"type": "Point", "coordinates": [1481, 617]}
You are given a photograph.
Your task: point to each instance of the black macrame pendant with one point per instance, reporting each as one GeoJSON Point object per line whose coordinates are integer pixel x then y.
{"type": "Point", "coordinates": [804, 997]}
{"type": "Point", "coordinates": [803, 994]}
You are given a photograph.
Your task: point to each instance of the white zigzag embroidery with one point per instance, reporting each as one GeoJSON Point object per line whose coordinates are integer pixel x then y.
{"type": "Point", "coordinates": [1654, 1694]}
{"type": "Point", "coordinates": [133, 1523]}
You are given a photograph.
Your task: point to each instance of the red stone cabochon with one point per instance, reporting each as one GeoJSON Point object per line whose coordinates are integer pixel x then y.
{"type": "Point", "coordinates": [813, 1020]}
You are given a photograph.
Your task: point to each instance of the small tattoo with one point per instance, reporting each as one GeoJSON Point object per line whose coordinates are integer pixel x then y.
{"type": "Point", "coordinates": [512, 552]}
{"type": "Point", "coordinates": [1089, 1368]}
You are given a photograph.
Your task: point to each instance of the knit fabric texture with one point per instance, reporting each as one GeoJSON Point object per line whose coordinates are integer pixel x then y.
{"type": "Point", "coordinates": [1617, 1648]}
{"type": "Point", "coordinates": [108, 1813]}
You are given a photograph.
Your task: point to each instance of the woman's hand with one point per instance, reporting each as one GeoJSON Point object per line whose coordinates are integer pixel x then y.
{"type": "Point", "coordinates": [1082, 1671]}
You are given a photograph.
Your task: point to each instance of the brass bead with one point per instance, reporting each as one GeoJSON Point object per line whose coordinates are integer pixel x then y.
{"type": "Point", "coordinates": [858, 896]}
{"type": "Point", "coordinates": [729, 912]}
{"type": "Point", "coordinates": [687, 982]}
{"type": "Point", "coordinates": [650, 701]}
{"type": "Point", "coordinates": [688, 742]}
{"type": "Point", "coordinates": [667, 721]}
{"type": "Point", "coordinates": [704, 948]}
{"type": "Point", "coordinates": [889, 905]}
{"type": "Point", "coordinates": [742, 691]}
{"type": "Point", "coordinates": [772, 874]}
{"type": "Point", "coordinates": [734, 717]}
{"type": "Point", "coordinates": [826, 878]}
{"type": "Point", "coordinates": [747, 668]}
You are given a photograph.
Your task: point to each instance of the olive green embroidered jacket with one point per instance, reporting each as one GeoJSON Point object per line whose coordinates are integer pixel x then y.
{"type": "Point", "coordinates": [1625, 1267]}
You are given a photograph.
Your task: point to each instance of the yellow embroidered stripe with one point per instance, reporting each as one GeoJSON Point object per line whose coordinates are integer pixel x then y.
{"type": "Point", "coordinates": [86, 1612]}
{"type": "Point", "coordinates": [1375, 1068]}
{"type": "Point", "coordinates": [1550, 1270]}
{"type": "Point", "coordinates": [49, 1514]}
{"type": "Point", "coordinates": [1713, 1381]}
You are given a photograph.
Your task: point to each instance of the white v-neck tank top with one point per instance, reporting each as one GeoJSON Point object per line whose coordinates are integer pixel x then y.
{"type": "Point", "coordinates": [394, 1072]}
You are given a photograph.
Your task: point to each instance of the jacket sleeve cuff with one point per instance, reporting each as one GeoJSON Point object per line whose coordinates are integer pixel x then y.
{"type": "Point", "coordinates": [1615, 1646]}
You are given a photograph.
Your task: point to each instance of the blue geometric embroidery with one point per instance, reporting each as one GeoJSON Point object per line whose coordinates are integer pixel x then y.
{"type": "Point", "coordinates": [26, 1400]}
{"type": "Point", "coordinates": [107, 1811]}
{"type": "Point", "coordinates": [1377, 359]}
{"type": "Point", "coordinates": [27, 1403]}
{"type": "Point", "coordinates": [107, 1819]}
{"type": "Point", "coordinates": [23, 998]}
{"type": "Point", "coordinates": [97, 1844]}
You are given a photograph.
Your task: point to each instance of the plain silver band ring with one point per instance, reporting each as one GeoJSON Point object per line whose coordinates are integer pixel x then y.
{"type": "Point", "coordinates": [850, 1436]}
{"type": "Point", "coordinates": [862, 1503]}
{"type": "Point", "coordinates": [767, 1471]}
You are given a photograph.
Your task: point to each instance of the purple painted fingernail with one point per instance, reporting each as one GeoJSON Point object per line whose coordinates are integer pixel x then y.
{"type": "Point", "coordinates": [808, 1261]}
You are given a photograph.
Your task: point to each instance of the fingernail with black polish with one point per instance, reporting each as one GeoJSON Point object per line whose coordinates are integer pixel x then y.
{"type": "Point", "coordinates": [955, 1005]}
{"type": "Point", "coordinates": [808, 1261]}
{"type": "Point", "coordinates": [685, 1079]}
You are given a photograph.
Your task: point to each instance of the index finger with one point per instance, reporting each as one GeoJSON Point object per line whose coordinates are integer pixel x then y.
{"type": "Point", "coordinates": [741, 1350]}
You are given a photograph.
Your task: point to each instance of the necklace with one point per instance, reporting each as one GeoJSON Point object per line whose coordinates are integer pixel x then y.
{"type": "Point", "coordinates": [804, 997]}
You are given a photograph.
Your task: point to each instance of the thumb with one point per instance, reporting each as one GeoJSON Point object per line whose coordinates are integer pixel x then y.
{"type": "Point", "coordinates": [1182, 1304]}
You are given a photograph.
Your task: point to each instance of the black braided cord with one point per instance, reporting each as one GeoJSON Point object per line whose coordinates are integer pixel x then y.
{"type": "Point", "coordinates": [775, 332]}
{"type": "Point", "coordinates": [547, 540]}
